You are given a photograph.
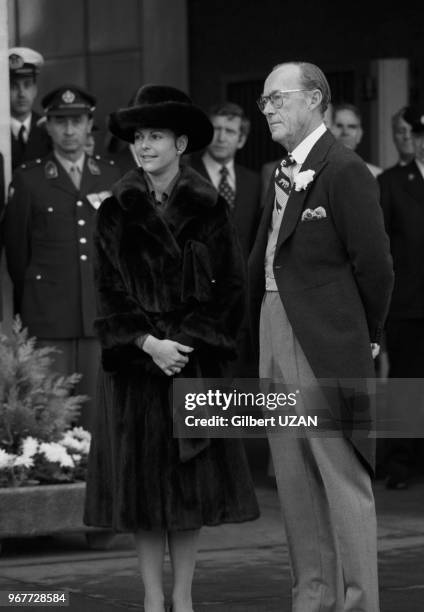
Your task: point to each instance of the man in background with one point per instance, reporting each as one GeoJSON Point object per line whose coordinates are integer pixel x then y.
{"type": "Point", "coordinates": [402, 137]}
{"type": "Point", "coordinates": [402, 200]}
{"type": "Point", "coordinates": [237, 184]}
{"type": "Point", "coordinates": [241, 188]}
{"type": "Point", "coordinates": [28, 140]}
{"type": "Point", "coordinates": [347, 129]}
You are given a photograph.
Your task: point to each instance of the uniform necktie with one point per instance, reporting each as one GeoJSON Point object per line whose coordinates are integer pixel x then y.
{"type": "Point", "coordinates": [22, 136]}
{"type": "Point", "coordinates": [75, 175]}
{"type": "Point", "coordinates": [283, 182]}
{"type": "Point", "coordinates": [224, 188]}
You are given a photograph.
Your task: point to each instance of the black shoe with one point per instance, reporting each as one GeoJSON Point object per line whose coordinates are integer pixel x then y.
{"type": "Point", "coordinates": [396, 483]}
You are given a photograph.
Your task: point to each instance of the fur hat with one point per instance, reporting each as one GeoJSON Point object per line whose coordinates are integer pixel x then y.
{"type": "Point", "coordinates": [159, 106]}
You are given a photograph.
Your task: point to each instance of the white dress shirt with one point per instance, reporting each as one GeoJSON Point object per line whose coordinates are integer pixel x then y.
{"type": "Point", "coordinates": [301, 152]}
{"type": "Point", "coordinates": [214, 170]}
{"type": "Point", "coordinates": [16, 125]}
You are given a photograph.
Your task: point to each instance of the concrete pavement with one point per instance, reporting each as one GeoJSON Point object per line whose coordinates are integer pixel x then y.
{"type": "Point", "coordinates": [241, 568]}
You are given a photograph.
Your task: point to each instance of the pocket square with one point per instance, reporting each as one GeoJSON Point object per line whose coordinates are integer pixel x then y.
{"type": "Point", "coordinates": [310, 214]}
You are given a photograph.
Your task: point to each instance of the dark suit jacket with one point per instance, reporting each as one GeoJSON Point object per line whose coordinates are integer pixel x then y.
{"type": "Point", "coordinates": [402, 200]}
{"type": "Point", "coordinates": [247, 202]}
{"type": "Point", "coordinates": [37, 146]}
{"type": "Point", "coordinates": [334, 274]}
{"type": "Point", "coordinates": [48, 238]}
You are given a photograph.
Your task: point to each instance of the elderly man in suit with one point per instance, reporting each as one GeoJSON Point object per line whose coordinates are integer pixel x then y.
{"type": "Point", "coordinates": [402, 200]}
{"type": "Point", "coordinates": [48, 236]}
{"type": "Point", "coordinates": [28, 139]}
{"type": "Point", "coordinates": [320, 279]}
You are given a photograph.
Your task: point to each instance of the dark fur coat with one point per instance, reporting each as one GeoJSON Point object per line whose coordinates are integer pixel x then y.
{"type": "Point", "coordinates": [175, 273]}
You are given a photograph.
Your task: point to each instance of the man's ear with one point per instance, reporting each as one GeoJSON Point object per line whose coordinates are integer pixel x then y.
{"type": "Point", "coordinates": [316, 99]}
{"type": "Point", "coordinates": [360, 134]}
{"type": "Point", "coordinates": [89, 124]}
{"type": "Point", "coordinates": [242, 140]}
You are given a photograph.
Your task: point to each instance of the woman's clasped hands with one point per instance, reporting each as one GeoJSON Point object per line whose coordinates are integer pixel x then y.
{"type": "Point", "coordinates": [169, 355]}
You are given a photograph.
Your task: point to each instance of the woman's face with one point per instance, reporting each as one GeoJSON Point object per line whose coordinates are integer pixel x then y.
{"type": "Point", "coordinates": [158, 149]}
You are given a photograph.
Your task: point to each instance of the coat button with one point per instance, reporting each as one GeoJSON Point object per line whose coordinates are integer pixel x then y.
{"type": "Point", "coordinates": [81, 222]}
{"type": "Point", "coordinates": [79, 203]}
{"type": "Point", "coordinates": [50, 209]}
{"type": "Point", "coordinates": [83, 240]}
{"type": "Point", "coordinates": [38, 277]}
{"type": "Point", "coordinates": [83, 257]}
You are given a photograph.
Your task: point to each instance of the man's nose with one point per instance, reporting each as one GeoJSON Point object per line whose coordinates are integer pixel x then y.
{"type": "Point", "coordinates": [268, 108]}
{"type": "Point", "coordinates": [69, 127]}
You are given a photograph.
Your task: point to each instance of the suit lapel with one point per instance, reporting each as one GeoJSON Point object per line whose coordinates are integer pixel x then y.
{"type": "Point", "coordinates": [414, 182]}
{"type": "Point", "coordinates": [296, 202]}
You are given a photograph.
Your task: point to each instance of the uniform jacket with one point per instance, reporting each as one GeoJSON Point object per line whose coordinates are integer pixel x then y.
{"type": "Point", "coordinates": [246, 205]}
{"type": "Point", "coordinates": [48, 238]}
{"type": "Point", "coordinates": [175, 274]}
{"type": "Point", "coordinates": [402, 200]}
{"type": "Point", "coordinates": [334, 273]}
{"type": "Point", "coordinates": [37, 146]}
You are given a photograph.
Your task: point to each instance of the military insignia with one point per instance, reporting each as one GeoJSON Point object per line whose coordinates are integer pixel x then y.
{"type": "Point", "coordinates": [50, 170]}
{"type": "Point", "coordinates": [93, 167]}
{"type": "Point", "coordinates": [11, 191]}
{"type": "Point", "coordinates": [68, 96]}
{"type": "Point", "coordinates": [96, 199]}
{"type": "Point", "coordinates": [15, 61]}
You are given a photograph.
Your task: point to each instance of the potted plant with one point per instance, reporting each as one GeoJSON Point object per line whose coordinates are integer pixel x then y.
{"type": "Point", "coordinates": [43, 456]}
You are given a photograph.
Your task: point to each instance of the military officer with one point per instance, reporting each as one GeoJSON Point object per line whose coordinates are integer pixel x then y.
{"type": "Point", "coordinates": [48, 236]}
{"type": "Point", "coordinates": [28, 139]}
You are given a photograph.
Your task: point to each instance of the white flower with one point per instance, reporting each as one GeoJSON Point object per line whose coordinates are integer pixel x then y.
{"type": "Point", "coordinates": [302, 179]}
{"type": "Point", "coordinates": [23, 460]}
{"type": "Point", "coordinates": [6, 459]}
{"type": "Point", "coordinates": [80, 433]}
{"type": "Point", "coordinates": [56, 453]}
{"type": "Point", "coordinates": [77, 440]}
{"type": "Point", "coordinates": [29, 446]}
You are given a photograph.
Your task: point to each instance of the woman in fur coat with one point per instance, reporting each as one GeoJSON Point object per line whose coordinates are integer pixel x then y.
{"type": "Point", "coordinates": [170, 287]}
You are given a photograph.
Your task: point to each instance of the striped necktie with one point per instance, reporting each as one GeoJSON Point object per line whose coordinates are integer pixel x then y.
{"type": "Point", "coordinates": [283, 182]}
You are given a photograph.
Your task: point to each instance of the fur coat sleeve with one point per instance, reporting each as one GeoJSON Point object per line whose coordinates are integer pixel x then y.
{"type": "Point", "coordinates": [175, 273]}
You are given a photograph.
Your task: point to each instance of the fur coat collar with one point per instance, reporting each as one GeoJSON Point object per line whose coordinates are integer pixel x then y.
{"type": "Point", "coordinates": [192, 196]}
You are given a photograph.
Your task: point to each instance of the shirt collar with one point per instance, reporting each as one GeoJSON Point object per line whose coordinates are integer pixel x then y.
{"type": "Point", "coordinates": [214, 167]}
{"type": "Point", "coordinates": [420, 166]}
{"type": "Point", "coordinates": [301, 152]}
{"type": "Point", "coordinates": [67, 164]}
{"type": "Point", "coordinates": [166, 194]}
{"type": "Point", "coordinates": [16, 125]}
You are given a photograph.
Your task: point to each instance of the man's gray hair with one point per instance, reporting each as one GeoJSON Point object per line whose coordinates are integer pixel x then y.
{"type": "Point", "coordinates": [312, 77]}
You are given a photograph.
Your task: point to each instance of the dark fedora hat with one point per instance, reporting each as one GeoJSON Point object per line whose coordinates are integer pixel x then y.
{"type": "Point", "coordinates": [159, 106]}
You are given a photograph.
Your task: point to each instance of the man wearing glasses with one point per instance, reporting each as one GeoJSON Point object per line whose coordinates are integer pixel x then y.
{"type": "Point", "coordinates": [321, 278]}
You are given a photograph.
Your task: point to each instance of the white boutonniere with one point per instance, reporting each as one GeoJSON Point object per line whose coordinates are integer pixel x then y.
{"type": "Point", "coordinates": [302, 179]}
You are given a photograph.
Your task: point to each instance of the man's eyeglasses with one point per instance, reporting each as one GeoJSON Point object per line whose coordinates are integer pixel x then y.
{"type": "Point", "coordinates": [276, 98]}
